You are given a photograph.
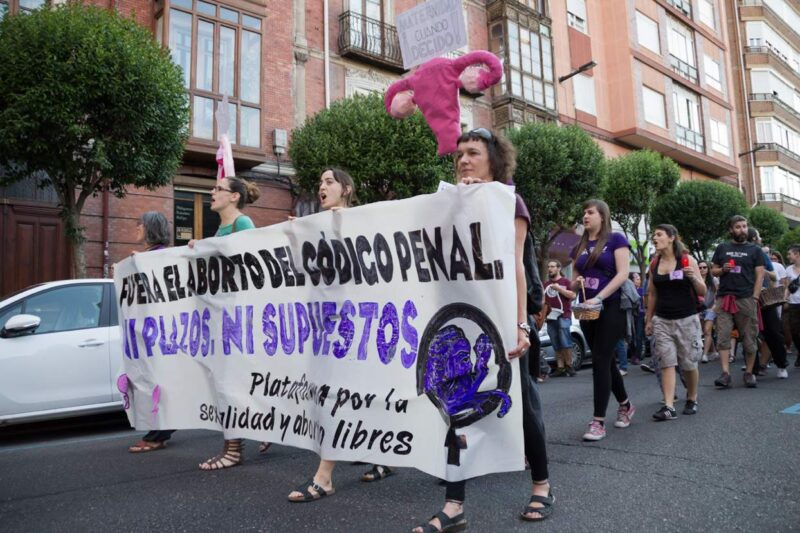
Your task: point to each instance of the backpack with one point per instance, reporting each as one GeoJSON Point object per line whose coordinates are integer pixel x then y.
{"type": "Point", "coordinates": [532, 280]}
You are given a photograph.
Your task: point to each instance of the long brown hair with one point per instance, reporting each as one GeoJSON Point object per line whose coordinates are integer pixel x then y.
{"type": "Point", "coordinates": [602, 237]}
{"type": "Point", "coordinates": [678, 249]}
{"type": "Point", "coordinates": [248, 191]}
{"type": "Point", "coordinates": [347, 183]}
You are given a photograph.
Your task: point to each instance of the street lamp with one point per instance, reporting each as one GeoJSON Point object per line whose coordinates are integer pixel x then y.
{"type": "Point", "coordinates": [583, 68]}
{"type": "Point", "coordinates": [755, 149]}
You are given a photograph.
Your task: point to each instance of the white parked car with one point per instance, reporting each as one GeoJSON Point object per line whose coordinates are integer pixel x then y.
{"type": "Point", "coordinates": [60, 351]}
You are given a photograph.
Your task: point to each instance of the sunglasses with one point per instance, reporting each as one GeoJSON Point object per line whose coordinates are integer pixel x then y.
{"type": "Point", "coordinates": [483, 133]}
{"type": "Point", "coordinates": [217, 188]}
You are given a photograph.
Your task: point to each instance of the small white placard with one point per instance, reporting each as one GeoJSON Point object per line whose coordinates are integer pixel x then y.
{"type": "Point", "coordinates": [431, 30]}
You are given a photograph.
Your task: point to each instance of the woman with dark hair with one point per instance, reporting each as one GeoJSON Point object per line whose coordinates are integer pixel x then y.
{"type": "Point", "coordinates": [336, 191]}
{"type": "Point", "coordinates": [483, 157]}
{"type": "Point", "coordinates": [152, 230]}
{"type": "Point", "coordinates": [672, 318]}
{"type": "Point", "coordinates": [708, 316]}
{"type": "Point", "coordinates": [602, 262]}
{"type": "Point", "coordinates": [228, 198]}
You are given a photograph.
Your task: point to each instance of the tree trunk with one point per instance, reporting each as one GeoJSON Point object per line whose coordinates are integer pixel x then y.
{"type": "Point", "coordinates": [70, 214]}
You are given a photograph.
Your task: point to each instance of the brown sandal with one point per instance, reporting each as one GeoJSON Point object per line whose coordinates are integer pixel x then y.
{"type": "Point", "coordinates": [231, 456]}
{"type": "Point", "coordinates": [145, 446]}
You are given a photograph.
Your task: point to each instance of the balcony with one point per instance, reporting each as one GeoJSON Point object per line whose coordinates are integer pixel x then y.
{"type": "Point", "coordinates": [760, 56]}
{"type": "Point", "coordinates": [769, 105]}
{"type": "Point", "coordinates": [690, 138]}
{"type": "Point", "coordinates": [751, 10]}
{"type": "Point", "coordinates": [684, 6]}
{"type": "Point", "coordinates": [773, 154]}
{"type": "Point", "coordinates": [785, 205]}
{"type": "Point", "coordinates": [683, 68]}
{"type": "Point", "coordinates": [369, 40]}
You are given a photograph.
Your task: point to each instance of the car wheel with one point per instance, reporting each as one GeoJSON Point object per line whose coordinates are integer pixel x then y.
{"type": "Point", "coordinates": [578, 352]}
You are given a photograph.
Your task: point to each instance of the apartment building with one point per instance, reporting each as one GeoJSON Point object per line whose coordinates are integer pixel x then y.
{"type": "Point", "coordinates": [661, 80]}
{"type": "Point", "coordinates": [766, 37]}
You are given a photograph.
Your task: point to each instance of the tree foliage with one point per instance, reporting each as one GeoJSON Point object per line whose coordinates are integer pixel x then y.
{"type": "Point", "coordinates": [558, 168]}
{"type": "Point", "coordinates": [788, 239]}
{"type": "Point", "coordinates": [770, 224]}
{"type": "Point", "coordinates": [700, 210]}
{"type": "Point", "coordinates": [632, 185]}
{"type": "Point", "coordinates": [387, 158]}
{"type": "Point", "coordinates": [88, 100]}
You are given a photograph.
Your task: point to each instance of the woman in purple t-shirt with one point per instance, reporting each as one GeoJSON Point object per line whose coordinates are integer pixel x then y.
{"type": "Point", "coordinates": [602, 260]}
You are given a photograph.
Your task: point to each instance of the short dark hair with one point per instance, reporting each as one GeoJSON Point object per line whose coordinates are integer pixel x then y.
{"type": "Point", "coordinates": [502, 154]}
{"type": "Point", "coordinates": [752, 234]}
{"type": "Point", "coordinates": [794, 248]}
{"type": "Point", "coordinates": [556, 261]}
{"type": "Point", "coordinates": [734, 219]}
{"type": "Point", "coordinates": [156, 228]}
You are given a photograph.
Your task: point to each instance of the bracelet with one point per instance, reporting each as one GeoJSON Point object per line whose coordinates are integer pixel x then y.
{"type": "Point", "coordinates": [599, 297]}
{"type": "Point", "coordinates": [524, 326]}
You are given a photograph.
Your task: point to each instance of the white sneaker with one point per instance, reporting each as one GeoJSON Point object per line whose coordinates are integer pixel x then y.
{"type": "Point", "coordinates": [782, 373]}
{"type": "Point", "coordinates": [713, 356]}
{"type": "Point", "coordinates": [623, 373]}
{"type": "Point", "coordinates": [704, 359]}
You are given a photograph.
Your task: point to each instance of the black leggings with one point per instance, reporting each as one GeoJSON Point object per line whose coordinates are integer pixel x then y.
{"type": "Point", "coordinates": [773, 336]}
{"type": "Point", "coordinates": [533, 431]}
{"type": "Point", "coordinates": [602, 336]}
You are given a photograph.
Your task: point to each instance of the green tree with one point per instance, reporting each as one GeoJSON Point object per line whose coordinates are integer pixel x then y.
{"type": "Point", "coordinates": [632, 185]}
{"type": "Point", "coordinates": [770, 224]}
{"type": "Point", "coordinates": [700, 210]}
{"type": "Point", "coordinates": [789, 238]}
{"type": "Point", "coordinates": [88, 101]}
{"type": "Point", "coordinates": [387, 158]}
{"type": "Point", "coordinates": [558, 168]}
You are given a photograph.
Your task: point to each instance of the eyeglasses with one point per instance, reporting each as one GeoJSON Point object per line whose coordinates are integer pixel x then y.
{"type": "Point", "coordinates": [483, 133]}
{"type": "Point", "coordinates": [703, 268]}
{"type": "Point", "coordinates": [217, 188]}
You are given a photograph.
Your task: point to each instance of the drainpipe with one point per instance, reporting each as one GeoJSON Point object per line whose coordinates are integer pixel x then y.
{"type": "Point", "coordinates": [740, 56]}
{"type": "Point", "coordinates": [327, 53]}
{"type": "Point", "coordinates": [106, 259]}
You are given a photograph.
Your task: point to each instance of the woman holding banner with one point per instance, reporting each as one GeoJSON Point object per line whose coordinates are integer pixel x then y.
{"type": "Point", "coordinates": [336, 191]}
{"type": "Point", "coordinates": [228, 198]}
{"type": "Point", "coordinates": [483, 157]}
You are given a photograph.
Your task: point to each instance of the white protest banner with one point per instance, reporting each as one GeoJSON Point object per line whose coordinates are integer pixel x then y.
{"type": "Point", "coordinates": [430, 30]}
{"type": "Point", "coordinates": [376, 333]}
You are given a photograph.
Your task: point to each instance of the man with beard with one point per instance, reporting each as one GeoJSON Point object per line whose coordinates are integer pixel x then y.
{"type": "Point", "coordinates": [740, 267]}
{"type": "Point", "coordinates": [559, 318]}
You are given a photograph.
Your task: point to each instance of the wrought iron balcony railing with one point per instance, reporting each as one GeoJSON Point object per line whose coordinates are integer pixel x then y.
{"type": "Point", "coordinates": [369, 39]}
{"type": "Point", "coordinates": [774, 52]}
{"type": "Point", "coordinates": [775, 147]}
{"type": "Point", "coordinates": [683, 68]}
{"type": "Point", "coordinates": [778, 197]}
{"type": "Point", "coordinates": [690, 138]}
{"type": "Point", "coordinates": [770, 97]}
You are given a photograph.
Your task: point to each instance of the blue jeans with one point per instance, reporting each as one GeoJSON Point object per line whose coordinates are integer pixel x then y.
{"type": "Point", "coordinates": [622, 354]}
{"type": "Point", "coordinates": [558, 331]}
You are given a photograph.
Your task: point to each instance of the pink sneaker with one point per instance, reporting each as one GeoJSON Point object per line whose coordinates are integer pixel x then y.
{"type": "Point", "coordinates": [624, 415]}
{"type": "Point", "coordinates": [596, 431]}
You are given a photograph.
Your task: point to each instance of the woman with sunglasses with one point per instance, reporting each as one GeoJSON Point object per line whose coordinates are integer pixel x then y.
{"type": "Point", "coordinates": [483, 157]}
{"type": "Point", "coordinates": [708, 316]}
{"type": "Point", "coordinates": [602, 264]}
{"type": "Point", "coordinates": [228, 198]}
{"type": "Point", "coordinates": [336, 191]}
{"type": "Point", "coordinates": [152, 231]}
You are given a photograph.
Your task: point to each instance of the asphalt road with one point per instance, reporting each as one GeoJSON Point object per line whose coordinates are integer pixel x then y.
{"type": "Point", "coordinates": [733, 467]}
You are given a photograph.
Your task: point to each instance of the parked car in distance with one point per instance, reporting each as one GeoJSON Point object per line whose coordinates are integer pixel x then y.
{"type": "Point", "coordinates": [581, 353]}
{"type": "Point", "coordinates": [60, 351]}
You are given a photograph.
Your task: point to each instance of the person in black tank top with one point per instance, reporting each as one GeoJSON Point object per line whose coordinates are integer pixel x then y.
{"type": "Point", "coordinates": [672, 319]}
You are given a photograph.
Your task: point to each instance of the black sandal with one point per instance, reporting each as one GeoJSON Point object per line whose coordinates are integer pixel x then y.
{"type": "Point", "coordinates": [544, 511]}
{"type": "Point", "coordinates": [377, 473]}
{"type": "Point", "coordinates": [307, 496]}
{"type": "Point", "coordinates": [457, 523]}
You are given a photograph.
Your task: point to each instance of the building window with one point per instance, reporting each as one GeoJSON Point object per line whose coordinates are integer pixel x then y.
{"type": "Point", "coordinates": [11, 7]}
{"type": "Point", "coordinates": [373, 38]}
{"type": "Point", "coordinates": [779, 181]}
{"type": "Point", "coordinates": [576, 14]}
{"type": "Point", "coordinates": [219, 51]}
{"type": "Point", "coordinates": [653, 102]}
{"type": "Point", "coordinates": [719, 137]}
{"type": "Point", "coordinates": [583, 87]}
{"type": "Point", "coordinates": [193, 218]}
{"type": "Point", "coordinates": [712, 72]}
{"type": "Point", "coordinates": [687, 118]}
{"type": "Point", "coordinates": [770, 130]}
{"type": "Point", "coordinates": [647, 30]}
{"type": "Point", "coordinates": [530, 58]}
{"type": "Point", "coordinates": [707, 13]}
{"type": "Point", "coordinates": [681, 51]}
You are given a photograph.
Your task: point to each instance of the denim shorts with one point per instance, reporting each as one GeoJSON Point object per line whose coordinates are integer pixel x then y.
{"type": "Point", "coordinates": [558, 331]}
{"type": "Point", "coordinates": [709, 315]}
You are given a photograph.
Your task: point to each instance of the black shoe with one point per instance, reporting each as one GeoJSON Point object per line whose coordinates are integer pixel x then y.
{"type": "Point", "coordinates": [723, 381]}
{"type": "Point", "coordinates": [750, 380]}
{"type": "Point", "coordinates": [560, 373]}
{"type": "Point", "coordinates": [797, 361]}
{"type": "Point", "coordinates": [571, 372]}
{"type": "Point", "coordinates": [647, 368]}
{"type": "Point", "coordinates": [690, 408]}
{"type": "Point", "coordinates": [665, 413]}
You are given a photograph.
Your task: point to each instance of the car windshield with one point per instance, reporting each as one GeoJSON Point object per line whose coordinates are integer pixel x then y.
{"type": "Point", "coordinates": [20, 291]}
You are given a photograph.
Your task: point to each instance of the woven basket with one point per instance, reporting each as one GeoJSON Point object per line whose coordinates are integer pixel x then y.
{"type": "Point", "coordinates": [772, 296]}
{"type": "Point", "coordinates": [581, 313]}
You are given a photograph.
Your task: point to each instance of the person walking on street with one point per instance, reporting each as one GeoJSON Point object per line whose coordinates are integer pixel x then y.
{"type": "Point", "coordinates": [792, 310]}
{"type": "Point", "coordinates": [558, 297]}
{"type": "Point", "coordinates": [707, 317]}
{"type": "Point", "coordinates": [739, 265]}
{"type": "Point", "coordinates": [602, 261]}
{"type": "Point", "coordinates": [672, 318]}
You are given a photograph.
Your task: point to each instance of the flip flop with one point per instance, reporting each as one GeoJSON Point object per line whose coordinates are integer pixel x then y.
{"type": "Point", "coordinates": [144, 446]}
